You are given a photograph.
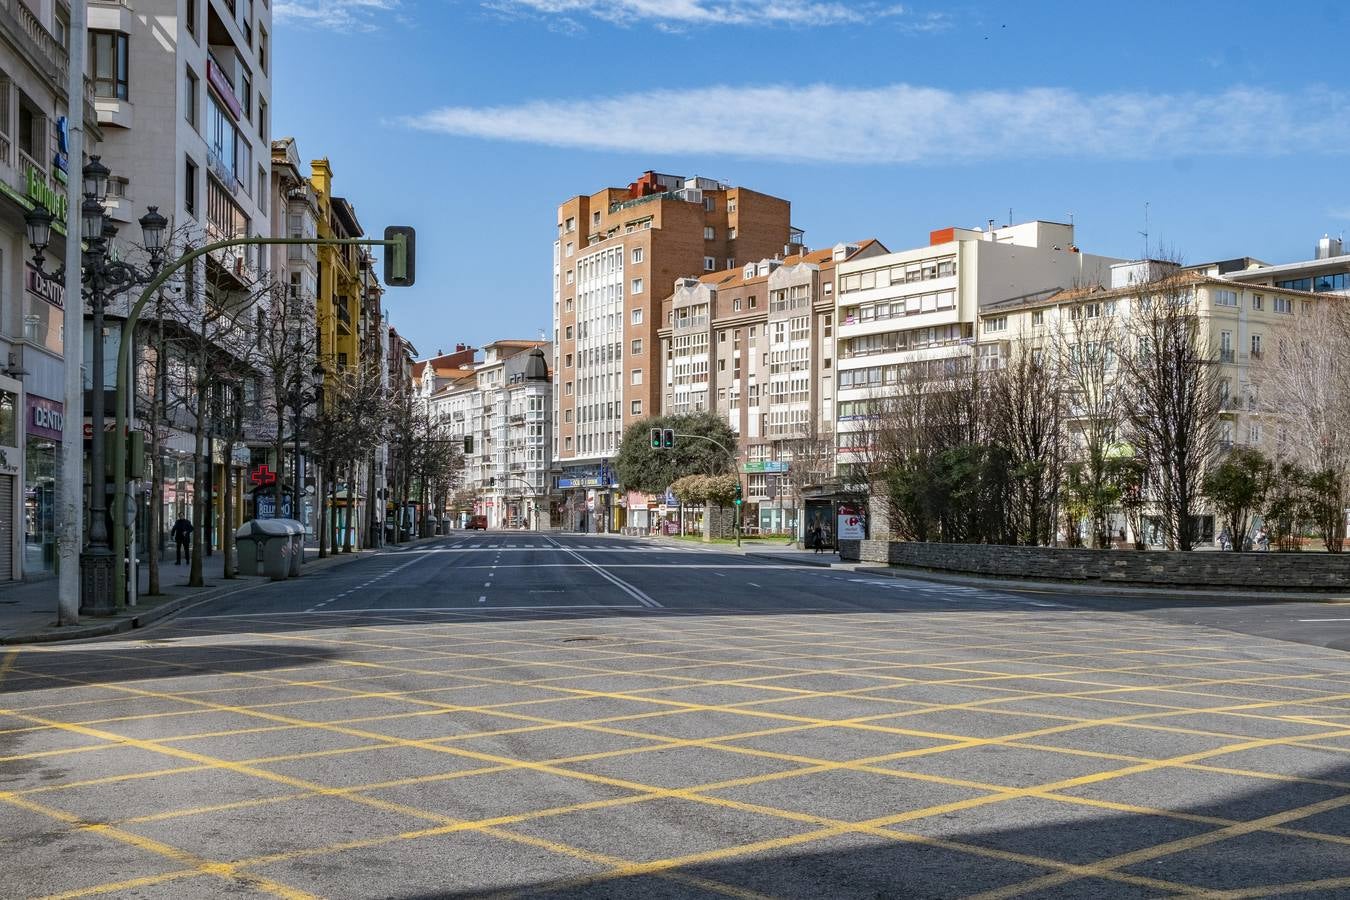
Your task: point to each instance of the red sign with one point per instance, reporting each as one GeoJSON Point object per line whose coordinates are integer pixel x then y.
{"type": "Point", "coordinates": [221, 82]}
{"type": "Point", "coordinates": [263, 475]}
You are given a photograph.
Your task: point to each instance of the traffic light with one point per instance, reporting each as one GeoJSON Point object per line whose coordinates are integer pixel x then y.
{"type": "Point", "coordinates": [399, 257]}
{"type": "Point", "coordinates": [656, 438]}
{"type": "Point", "coordinates": [468, 445]}
{"type": "Point", "coordinates": [668, 438]}
{"type": "Point", "coordinates": [738, 492]}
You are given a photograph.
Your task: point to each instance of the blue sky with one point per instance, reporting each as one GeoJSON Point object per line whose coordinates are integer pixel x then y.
{"type": "Point", "coordinates": [474, 120]}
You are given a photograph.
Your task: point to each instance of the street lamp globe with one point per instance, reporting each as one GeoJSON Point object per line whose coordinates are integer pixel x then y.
{"type": "Point", "coordinates": [109, 230]}
{"type": "Point", "coordinates": [91, 219]}
{"type": "Point", "coordinates": [152, 230]}
{"type": "Point", "coordinates": [39, 223]}
{"type": "Point", "coordinates": [95, 177]}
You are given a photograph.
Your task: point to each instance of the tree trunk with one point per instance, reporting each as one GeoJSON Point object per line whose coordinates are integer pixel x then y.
{"type": "Point", "coordinates": [350, 519]}
{"type": "Point", "coordinates": [321, 514]}
{"type": "Point", "coordinates": [158, 386]}
{"type": "Point", "coordinates": [199, 499]}
{"type": "Point", "coordinates": [227, 514]}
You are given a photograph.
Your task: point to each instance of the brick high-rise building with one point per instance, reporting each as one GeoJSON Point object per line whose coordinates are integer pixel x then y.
{"type": "Point", "coordinates": [617, 253]}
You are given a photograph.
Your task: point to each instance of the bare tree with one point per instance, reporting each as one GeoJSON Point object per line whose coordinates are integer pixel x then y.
{"type": "Point", "coordinates": [1086, 355]}
{"type": "Point", "coordinates": [285, 355]}
{"type": "Point", "coordinates": [1027, 413]}
{"type": "Point", "coordinates": [1172, 398]}
{"type": "Point", "coordinates": [810, 461]}
{"type": "Point", "coordinates": [1306, 390]}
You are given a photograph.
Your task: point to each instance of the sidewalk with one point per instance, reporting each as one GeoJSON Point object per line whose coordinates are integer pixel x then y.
{"type": "Point", "coordinates": [28, 609]}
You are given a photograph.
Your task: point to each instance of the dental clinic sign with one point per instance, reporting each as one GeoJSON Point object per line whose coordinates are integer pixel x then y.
{"type": "Point", "coordinates": [40, 191]}
{"type": "Point", "coordinates": [45, 417]}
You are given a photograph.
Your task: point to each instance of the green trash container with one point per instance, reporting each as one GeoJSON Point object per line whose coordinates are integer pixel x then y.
{"type": "Point", "coordinates": [275, 538]}
{"type": "Point", "coordinates": [297, 549]}
{"type": "Point", "coordinates": [248, 544]}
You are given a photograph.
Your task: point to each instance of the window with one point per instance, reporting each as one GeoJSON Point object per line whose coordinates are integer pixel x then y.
{"type": "Point", "coordinates": [1225, 298]}
{"type": "Point", "coordinates": [190, 187]}
{"type": "Point", "coordinates": [262, 190]}
{"type": "Point", "coordinates": [731, 206]}
{"type": "Point", "coordinates": [753, 301]}
{"type": "Point", "coordinates": [637, 255]}
{"type": "Point", "coordinates": [1256, 346]}
{"type": "Point", "coordinates": [1258, 302]}
{"type": "Point", "coordinates": [721, 365]}
{"type": "Point", "coordinates": [731, 234]}
{"type": "Point", "coordinates": [571, 276]}
{"type": "Point", "coordinates": [190, 85]}
{"type": "Point", "coordinates": [1038, 317]}
{"type": "Point", "coordinates": [567, 389]}
{"type": "Point", "coordinates": [997, 323]}
{"type": "Point", "coordinates": [1284, 305]}
{"type": "Point", "coordinates": [569, 361]}
{"type": "Point", "coordinates": [568, 333]}
{"type": "Point", "coordinates": [736, 305]}
{"type": "Point", "coordinates": [108, 50]}
{"type": "Point", "coordinates": [709, 263]}
{"type": "Point", "coordinates": [571, 224]}
{"type": "Point", "coordinates": [262, 119]}
{"type": "Point", "coordinates": [637, 347]}
{"type": "Point", "coordinates": [567, 416]}
{"type": "Point", "coordinates": [1254, 434]}
{"type": "Point", "coordinates": [567, 251]}
{"type": "Point", "coordinates": [245, 92]}
{"type": "Point", "coordinates": [567, 305]}
{"type": "Point", "coordinates": [595, 219]}
{"type": "Point", "coordinates": [262, 49]}
{"type": "Point", "coordinates": [636, 287]}
{"type": "Point", "coordinates": [709, 234]}
{"type": "Point", "coordinates": [636, 317]}
{"type": "Point", "coordinates": [709, 204]}
{"type": "Point", "coordinates": [636, 376]}
{"type": "Point", "coordinates": [567, 443]}
{"type": "Point", "coordinates": [190, 18]}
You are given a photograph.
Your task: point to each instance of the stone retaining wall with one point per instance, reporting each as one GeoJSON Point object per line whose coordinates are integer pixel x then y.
{"type": "Point", "coordinates": [1289, 571]}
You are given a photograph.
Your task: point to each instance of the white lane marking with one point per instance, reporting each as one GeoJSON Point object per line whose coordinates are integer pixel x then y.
{"type": "Point", "coordinates": [482, 599]}
{"type": "Point", "coordinates": [457, 610]}
{"type": "Point", "coordinates": [487, 584]}
{"type": "Point", "coordinates": [718, 574]}
{"type": "Point", "coordinates": [752, 584]}
{"type": "Point", "coordinates": [638, 595]}
{"type": "Point", "coordinates": [1324, 620]}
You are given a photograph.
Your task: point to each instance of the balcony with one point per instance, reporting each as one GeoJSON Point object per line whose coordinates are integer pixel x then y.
{"type": "Point", "coordinates": [1227, 356]}
{"type": "Point", "coordinates": [43, 52]}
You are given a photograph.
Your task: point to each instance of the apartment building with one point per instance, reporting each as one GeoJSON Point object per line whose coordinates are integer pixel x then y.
{"type": "Point", "coordinates": [34, 164]}
{"type": "Point", "coordinates": [501, 409]}
{"type": "Point", "coordinates": [1243, 324]}
{"type": "Point", "coordinates": [756, 344]}
{"type": "Point", "coordinates": [616, 253]}
{"type": "Point", "coordinates": [917, 310]}
{"type": "Point", "coordinates": [1328, 272]}
{"type": "Point", "coordinates": [182, 93]}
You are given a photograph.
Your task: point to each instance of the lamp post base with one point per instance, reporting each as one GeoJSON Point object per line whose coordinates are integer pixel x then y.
{"type": "Point", "coordinates": [97, 568]}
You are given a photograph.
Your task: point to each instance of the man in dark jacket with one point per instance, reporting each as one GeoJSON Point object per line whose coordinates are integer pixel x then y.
{"type": "Point", "coordinates": [182, 539]}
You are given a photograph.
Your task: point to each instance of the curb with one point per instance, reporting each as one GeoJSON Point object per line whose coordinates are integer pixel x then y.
{"type": "Point", "coordinates": [814, 563]}
{"type": "Point", "coordinates": [176, 605]}
{"type": "Point", "coordinates": [1098, 589]}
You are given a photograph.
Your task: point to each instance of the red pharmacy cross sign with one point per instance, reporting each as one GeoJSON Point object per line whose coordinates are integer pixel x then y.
{"type": "Point", "coordinates": [263, 475]}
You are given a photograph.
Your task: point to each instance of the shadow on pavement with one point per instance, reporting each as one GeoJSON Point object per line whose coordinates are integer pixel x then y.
{"type": "Point", "coordinates": [133, 660]}
{"type": "Point", "coordinates": [1189, 848]}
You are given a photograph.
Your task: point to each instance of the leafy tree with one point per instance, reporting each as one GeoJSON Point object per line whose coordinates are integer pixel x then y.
{"type": "Point", "coordinates": [640, 468]}
{"type": "Point", "coordinates": [691, 489]}
{"type": "Point", "coordinates": [721, 489]}
{"type": "Point", "coordinates": [1324, 492]}
{"type": "Point", "coordinates": [1287, 504]}
{"type": "Point", "coordinates": [1238, 487]}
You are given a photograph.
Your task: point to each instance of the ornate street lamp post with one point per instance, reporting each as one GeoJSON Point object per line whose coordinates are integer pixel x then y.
{"type": "Point", "coordinates": [101, 278]}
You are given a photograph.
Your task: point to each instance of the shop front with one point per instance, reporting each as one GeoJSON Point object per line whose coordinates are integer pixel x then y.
{"type": "Point", "coordinates": [43, 419]}
{"type": "Point", "coordinates": [10, 457]}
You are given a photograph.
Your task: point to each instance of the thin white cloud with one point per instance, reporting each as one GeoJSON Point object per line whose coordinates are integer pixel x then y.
{"type": "Point", "coordinates": [911, 124]}
{"type": "Point", "coordinates": [335, 15]}
{"type": "Point", "coordinates": [677, 14]}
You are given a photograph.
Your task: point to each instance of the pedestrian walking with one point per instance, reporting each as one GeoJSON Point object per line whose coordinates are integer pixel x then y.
{"type": "Point", "coordinates": [815, 535]}
{"type": "Point", "coordinates": [182, 540]}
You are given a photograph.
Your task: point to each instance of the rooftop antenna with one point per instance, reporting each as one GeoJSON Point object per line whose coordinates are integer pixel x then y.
{"type": "Point", "coordinates": [1145, 231]}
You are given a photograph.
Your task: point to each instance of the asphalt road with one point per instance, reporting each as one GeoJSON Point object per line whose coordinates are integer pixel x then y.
{"type": "Point", "coordinates": [579, 716]}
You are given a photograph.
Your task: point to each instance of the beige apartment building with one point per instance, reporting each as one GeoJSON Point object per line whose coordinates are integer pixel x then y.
{"type": "Point", "coordinates": [918, 308]}
{"type": "Point", "coordinates": [756, 344]}
{"type": "Point", "coordinates": [1242, 322]}
{"type": "Point", "coordinates": [615, 257]}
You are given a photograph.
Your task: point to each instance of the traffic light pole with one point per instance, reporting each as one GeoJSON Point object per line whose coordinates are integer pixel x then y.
{"type": "Point", "coordinates": [399, 243]}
